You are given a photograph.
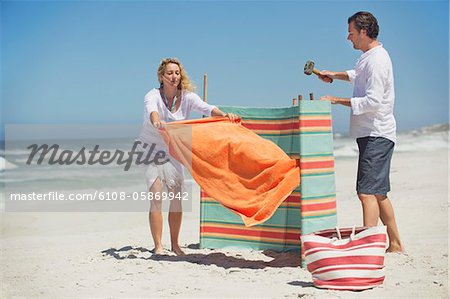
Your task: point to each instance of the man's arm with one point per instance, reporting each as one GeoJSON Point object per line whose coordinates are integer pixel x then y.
{"type": "Point", "coordinates": [336, 100]}
{"type": "Point", "coordinates": [327, 75]}
{"type": "Point", "coordinates": [375, 88]}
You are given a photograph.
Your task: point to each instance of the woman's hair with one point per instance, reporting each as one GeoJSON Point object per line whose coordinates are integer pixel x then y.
{"type": "Point", "coordinates": [185, 82]}
{"type": "Point", "coordinates": [365, 20]}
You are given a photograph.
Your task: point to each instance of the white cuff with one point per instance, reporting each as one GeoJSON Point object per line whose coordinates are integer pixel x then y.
{"type": "Point", "coordinates": [355, 106]}
{"type": "Point", "coordinates": [351, 75]}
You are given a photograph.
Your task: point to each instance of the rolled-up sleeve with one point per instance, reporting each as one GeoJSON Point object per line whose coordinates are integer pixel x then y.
{"type": "Point", "coordinates": [351, 75]}
{"type": "Point", "coordinates": [151, 103]}
{"type": "Point", "coordinates": [200, 106]}
{"type": "Point", "coordinates": [374, 92]}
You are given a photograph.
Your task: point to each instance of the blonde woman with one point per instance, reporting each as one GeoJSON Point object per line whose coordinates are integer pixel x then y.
{"type": "Point", "coordinates": [172, 101]}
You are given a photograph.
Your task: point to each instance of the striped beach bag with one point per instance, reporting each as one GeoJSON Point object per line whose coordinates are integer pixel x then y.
{"type": "Point", "coordinates": [346, 258]}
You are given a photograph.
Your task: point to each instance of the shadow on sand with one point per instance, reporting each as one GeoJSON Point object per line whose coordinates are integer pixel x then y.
{"type": "Point", "coordinates": [279, 259]}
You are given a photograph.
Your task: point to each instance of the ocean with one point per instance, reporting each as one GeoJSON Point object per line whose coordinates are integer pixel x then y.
{"type": "Point", "coordinates": [425, 139]}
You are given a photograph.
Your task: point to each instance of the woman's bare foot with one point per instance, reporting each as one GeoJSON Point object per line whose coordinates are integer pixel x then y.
{"type": "Point", "coordinates": [177, 250]}
{"type": "Point", "coordinates": [158, 250]}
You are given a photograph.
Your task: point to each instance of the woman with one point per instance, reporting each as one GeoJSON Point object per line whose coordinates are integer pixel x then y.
{"type": "Point", "coordinates": [174, 100]}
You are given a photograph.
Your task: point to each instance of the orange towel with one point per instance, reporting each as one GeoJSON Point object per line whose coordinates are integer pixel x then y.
{"type": "Point", "coordinates": [246, 173]}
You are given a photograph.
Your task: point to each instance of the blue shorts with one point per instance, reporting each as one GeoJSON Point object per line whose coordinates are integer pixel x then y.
{"type": "Point", "coordinates": [374, 165]}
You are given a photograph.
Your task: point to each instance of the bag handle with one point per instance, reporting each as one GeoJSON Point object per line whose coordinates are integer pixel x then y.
{"type": "Point", "coordinates": [351, 235]}
{"type": "Point", "coordinates": [338, 233]}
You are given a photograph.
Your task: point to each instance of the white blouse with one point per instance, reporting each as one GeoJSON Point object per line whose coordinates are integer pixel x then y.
{"type": "Point", "coordinates": [154, 102]}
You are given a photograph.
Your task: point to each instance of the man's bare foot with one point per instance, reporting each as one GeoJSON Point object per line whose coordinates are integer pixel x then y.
{"type": "Point", "coordinates": [395, 248]}
{"type": "Point", "coordinates": [158, 250]}
{"type": "Point", "coordinates": [177, 250]}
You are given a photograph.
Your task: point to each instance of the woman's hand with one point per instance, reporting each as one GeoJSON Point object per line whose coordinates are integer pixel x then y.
{"type": "Point", "coordinates": [156, 122]}
{"type": "Point", "coordinates": [159, 124]}
{"type": "Point", "coordinates": [232, 117]}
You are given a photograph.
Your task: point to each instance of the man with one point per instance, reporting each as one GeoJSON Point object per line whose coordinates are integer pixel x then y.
{"type": "Point", "coordinates": [372, 121]}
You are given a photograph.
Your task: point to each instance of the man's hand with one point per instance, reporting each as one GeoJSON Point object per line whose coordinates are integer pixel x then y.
{"type": "Point", "coordinates": [326, 76]}
{"type": "Point", "coordinates": [333, 100]}
{"type": "Point", "coordinates": [336, 100]}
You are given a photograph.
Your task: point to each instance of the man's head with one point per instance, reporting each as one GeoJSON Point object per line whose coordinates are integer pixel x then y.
{"type": "Point", "coordinates": [362, 29]}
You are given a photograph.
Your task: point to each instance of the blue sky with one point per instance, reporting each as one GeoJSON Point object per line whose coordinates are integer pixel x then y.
{"type": "Point", "coordinates": [86, 62]}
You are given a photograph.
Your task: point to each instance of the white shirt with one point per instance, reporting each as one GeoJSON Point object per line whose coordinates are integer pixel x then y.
{"type": "Point", "coordinates": [154, 102]}
{"type": "Point", "coordinates": [373, 95]}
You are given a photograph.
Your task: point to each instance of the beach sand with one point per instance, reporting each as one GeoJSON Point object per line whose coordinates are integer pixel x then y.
{"type": "Point", "coordinates": [107, 255]}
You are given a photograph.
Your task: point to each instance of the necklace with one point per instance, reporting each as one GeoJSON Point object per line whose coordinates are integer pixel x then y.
{"type": "Point", "coordinates": [166, 101]}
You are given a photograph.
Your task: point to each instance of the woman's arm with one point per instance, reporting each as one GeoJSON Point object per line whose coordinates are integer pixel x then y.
{"type": "Point", "coordinates": [155, 120]}
{"type": "Point", "coordinates": [231, 116]}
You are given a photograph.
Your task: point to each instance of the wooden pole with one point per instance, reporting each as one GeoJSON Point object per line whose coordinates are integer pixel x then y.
{"type": "Point", "coordinates": [205, 88]}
